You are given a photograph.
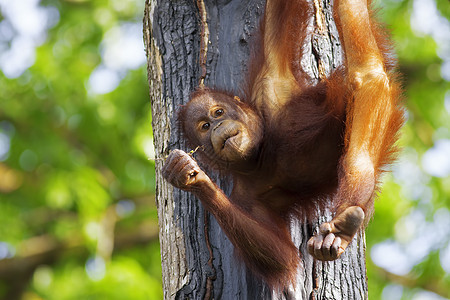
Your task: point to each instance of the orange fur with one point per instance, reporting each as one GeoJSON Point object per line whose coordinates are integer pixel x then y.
{"type": "Point", "coordinates": [313, 143]}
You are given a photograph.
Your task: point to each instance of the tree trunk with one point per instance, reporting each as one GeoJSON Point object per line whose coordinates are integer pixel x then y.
{"type": "Point", "coordinates": [197, 258]}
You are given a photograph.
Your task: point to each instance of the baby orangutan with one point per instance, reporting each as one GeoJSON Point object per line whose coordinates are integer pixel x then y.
{"type": "Point", "coordinates": [291, 147]}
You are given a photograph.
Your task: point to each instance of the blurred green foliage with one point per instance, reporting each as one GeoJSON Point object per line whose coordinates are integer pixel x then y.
{"type": "Point", "coordinates": [76, 178]}
{"type": "Point", "coordinates": [77, 211]}
{"type": "Point", "coordinates": [412, 212]}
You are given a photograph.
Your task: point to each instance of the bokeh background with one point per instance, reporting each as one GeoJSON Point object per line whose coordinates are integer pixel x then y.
{"type": "Point", "coordinates": [77, 210]}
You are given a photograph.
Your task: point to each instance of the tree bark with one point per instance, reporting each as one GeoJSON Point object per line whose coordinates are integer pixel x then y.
{"type": "Point", "coordinates": [197, 259]}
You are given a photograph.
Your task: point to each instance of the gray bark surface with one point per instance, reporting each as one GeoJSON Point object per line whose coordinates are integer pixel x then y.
{"type": "Point", "coordinates": [198, 260]}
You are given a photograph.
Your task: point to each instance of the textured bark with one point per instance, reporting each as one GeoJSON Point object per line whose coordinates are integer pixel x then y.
{"type": "Point", "coordinates": [197, 258]}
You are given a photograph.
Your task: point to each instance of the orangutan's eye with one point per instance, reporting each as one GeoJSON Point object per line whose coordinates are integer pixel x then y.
{"type": "Point", "coordinates": [206, 126]}
{"type": "Point", "coordinates": [218, 112]}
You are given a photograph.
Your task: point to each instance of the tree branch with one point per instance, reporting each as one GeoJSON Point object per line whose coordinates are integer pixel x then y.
{"type": "Point", "coordinates": [410, 281]}
{"type": "Point", "coordinates": [46, 249]}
